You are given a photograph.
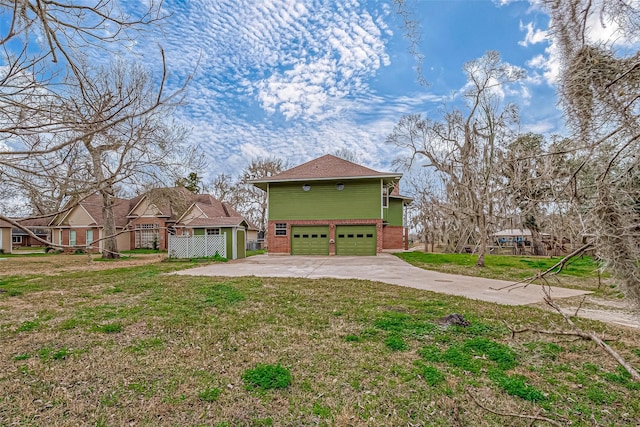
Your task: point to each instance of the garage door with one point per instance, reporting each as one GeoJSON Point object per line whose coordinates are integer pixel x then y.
{"type": "Point", "coordinates": [310, 240]}
{"type": "Point", "coordinates": [356, 240]}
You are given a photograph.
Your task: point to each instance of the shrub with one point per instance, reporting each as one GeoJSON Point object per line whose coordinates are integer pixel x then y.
{"type": "Point", "coordinates": [265, 377]}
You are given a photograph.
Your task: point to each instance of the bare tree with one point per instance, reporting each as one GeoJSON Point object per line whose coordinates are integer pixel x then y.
{"type": "Point", "coordinates": [598, 89]}
{"type": "Point", "coordinates": [223, 188]}
{"type": "Point", "coordinates": [429, 213]}
{"type": "Point", "coordinates": [348, 154]}
{"type": "Point", "coordinates": [463, 146]}
{"type": "Point", "coordinates": [252, 202]}
{"type": "Point", "coordinates": [69, 128]}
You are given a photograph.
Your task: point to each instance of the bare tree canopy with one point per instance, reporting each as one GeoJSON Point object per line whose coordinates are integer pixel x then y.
{"type": "Point", "coordinates": [463, 145]}
{"type": "Point", "coordinates": [599, 91]}
{"type": "Point", "coordinates": [72, 125]}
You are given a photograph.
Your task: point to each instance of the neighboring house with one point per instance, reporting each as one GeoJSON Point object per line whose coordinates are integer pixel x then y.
{"type": "Point", "coordinates": [37, 226]}
{"type": "Point", "coordinates": [146, 221]}
{"type": "Point", "coordinates": [209, 216]}
{"type": "Point", "coordinates": [330, 206]}
{"type": "Point", "coordinates": [5, 237]}
{"type": "Point", "coordinates": [82, 225]}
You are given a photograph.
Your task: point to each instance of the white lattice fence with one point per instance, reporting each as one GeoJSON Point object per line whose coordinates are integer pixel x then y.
{"type": "Point", "coordinates": [197, 246]}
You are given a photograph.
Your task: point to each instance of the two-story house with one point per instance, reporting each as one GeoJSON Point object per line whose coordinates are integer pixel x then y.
{"type": "Point", "coordinates": [330, 206]}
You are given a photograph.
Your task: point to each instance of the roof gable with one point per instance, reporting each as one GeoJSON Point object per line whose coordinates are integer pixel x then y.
{"type": "Point", "coordinates": [327, 167]}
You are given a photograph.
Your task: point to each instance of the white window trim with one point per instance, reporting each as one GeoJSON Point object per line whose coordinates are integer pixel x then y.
{"type": "Point", "coordinates": [276, 229]}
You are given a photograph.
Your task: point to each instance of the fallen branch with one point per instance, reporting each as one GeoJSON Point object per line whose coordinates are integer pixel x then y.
{"type": "Point", "coordinates": [541, 274]}
{"type": "Point", "coordinates": [506, 414]}
{"type": "Point", "coordinates": [593, 337]}
{"type": "Point", "coordinates": [557, 333]}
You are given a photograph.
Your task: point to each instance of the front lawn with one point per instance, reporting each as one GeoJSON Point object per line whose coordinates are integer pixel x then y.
{"type": "Point", "coordinates": [133, 345]}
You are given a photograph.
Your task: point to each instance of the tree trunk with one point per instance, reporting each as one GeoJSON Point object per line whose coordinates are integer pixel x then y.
{"type": "Point", "coordinates": [110, 244]}
{"type": "Point", "coordinates": [483, 240]}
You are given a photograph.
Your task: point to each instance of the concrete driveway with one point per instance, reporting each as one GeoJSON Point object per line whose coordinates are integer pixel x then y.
{"type": "Point", "coordinates": [382, 268]}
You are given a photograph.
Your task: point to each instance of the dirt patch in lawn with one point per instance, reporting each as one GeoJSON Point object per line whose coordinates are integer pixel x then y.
{"type": "Point", "coordinates": [60, 263]}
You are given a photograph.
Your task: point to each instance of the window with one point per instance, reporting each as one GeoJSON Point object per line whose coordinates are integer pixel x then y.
{"type": "Point", "coordinates": [16, 239]}
{"type": "Point", "coordinates": [385, 197]}
{"type": "Point", "coordinates": [89, 237]}
{"type": "Point", "coordinates": [146, 236]}
{"type": "Point", "coordinates": [281, 229]}
{"type": "Point", "coordinates": [72, 237]}
{"type": "Point", "coordinates": [339, 186]}
{"type": "Point", "coordinates": [212, 232]}
{"type": "Point", "coordinates": [306, 187]}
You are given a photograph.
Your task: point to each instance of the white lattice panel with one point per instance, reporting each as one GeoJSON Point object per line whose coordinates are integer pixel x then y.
{"type": "Point", "coordinates": [197, 246]}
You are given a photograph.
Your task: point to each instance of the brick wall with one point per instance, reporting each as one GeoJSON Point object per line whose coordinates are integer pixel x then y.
{"type": "Point", "coordinates": [393, 237]}
{"type": "Point", "coordinates": [282, 244]}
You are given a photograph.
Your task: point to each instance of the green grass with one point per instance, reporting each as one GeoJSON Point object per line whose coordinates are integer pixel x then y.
{"type": "Point", "coordinates": [136, 345]}
{"type": "Point", "coordinates": [499, 266]}
{"type": "Point", "coordinates": [579, 273]}
{"type": "Point", "coordinates": [266, 377]}
{"type": "Point", "coordinates": [209, 394]}
{"type": "Point", "coordinates": [256, 252]}
{"type": "Point", "coordinates": [143, 251]}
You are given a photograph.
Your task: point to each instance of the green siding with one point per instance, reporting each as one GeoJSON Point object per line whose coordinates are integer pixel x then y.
{"type": "Point", "coordinates": [360, 199]}
{"type": "Point", "coordinates": [312, 240]}
{"type": "Point", "coordinates": [393, 214]}
{"type": "Point", "coordinates": [229, 237]}
{"type": "Point", "coordinates": [241, 246]}
{"type": "Point", "coordinates": [356, 240]}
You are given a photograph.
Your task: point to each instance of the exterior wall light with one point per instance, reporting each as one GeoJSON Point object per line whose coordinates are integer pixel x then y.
{"type": "Point", "coordinates": [340, 186]}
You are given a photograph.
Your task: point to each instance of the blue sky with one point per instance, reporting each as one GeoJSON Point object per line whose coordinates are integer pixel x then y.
{"type": "Point", "coordinates": [298, 79]}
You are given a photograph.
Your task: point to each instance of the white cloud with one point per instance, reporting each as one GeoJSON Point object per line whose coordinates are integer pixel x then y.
{"type": "Point", "coordinates": [548, 64]}
{"type": "Point", "coordinates": [533, 36]}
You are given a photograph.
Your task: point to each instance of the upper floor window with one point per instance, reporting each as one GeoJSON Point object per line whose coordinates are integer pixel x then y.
{"type": "Point", "coordinates": [385, 196]}
{"type": "Point", "coordinates": [281, 229]}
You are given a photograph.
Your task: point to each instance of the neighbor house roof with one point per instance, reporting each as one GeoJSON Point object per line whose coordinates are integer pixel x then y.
{"type": "Point", "coordinates": [214, 213]}
{"type": "Point", "coordinates": [5, 224]}
{"type": "Point", "coordinates": [172, 202]}
{"type": "Point", "coordinates": [512, 232]}
{"type": "Point", "coordinates": [92, 205]}
{"type": "Point", "coordinates": [327, 167]}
